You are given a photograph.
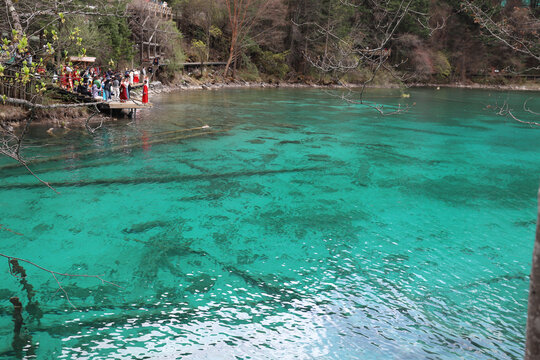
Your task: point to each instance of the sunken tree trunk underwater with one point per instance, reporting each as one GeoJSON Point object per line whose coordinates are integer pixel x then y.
{"type": "Point", "coordinates": [532, 347]}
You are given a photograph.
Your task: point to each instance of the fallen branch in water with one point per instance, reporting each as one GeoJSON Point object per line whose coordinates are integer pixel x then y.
{"type": "Point", "coordinates": [505, 110]}
{"type": "Point", "coordinates": [87, 122]}
{"type": "Point", "coordinates": [13, 262]}
{"type": "Point", "coordinates": [11, 144]}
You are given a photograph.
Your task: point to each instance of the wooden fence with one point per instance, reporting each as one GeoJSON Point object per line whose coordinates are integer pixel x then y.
{"type": "Point", "coordinates": [12, 87]}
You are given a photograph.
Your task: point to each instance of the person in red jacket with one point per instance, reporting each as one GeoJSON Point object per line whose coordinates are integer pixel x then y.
{"type": "Point", "coordinates": [145, 92]}
{"type": "Point", "coordinates": [123, 91]}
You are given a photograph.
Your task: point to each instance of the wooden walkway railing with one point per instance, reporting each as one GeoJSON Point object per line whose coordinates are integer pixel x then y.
{"type": "Point", "coordinates": [11, 86]}
{"type": "Point", "coordinates": [533, 77]}
{"type": "Point", "coordinates": [160, 10]}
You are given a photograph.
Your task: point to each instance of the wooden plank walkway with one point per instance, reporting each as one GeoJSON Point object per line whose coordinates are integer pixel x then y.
{"type": "Point", "coordinates": [214, 63]}
{"type": "Point", "coordinates": [130, 104]}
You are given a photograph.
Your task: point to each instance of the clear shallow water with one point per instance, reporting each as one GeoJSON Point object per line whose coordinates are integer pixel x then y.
{"type": "Point", "coordinates": [295, 227]}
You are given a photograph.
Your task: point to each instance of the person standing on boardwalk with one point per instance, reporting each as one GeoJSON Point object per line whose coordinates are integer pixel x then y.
{"type": "Point", "coordinates": [123, 91]}
{"type": "Point", "coordinates": [116, 88]}
{"type": "Point", "coordinates": [95, 90]}
{"type": "Point", "coordinates": [128, 87]}
{"type": "Point", "coordinates": [145, 92]}
{"type": "Point", "coordinates": [107, 89]}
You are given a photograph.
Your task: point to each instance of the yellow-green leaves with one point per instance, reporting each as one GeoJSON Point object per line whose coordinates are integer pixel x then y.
{"type": "Point", "coordinates": [50, 49]}
{"type": "Point", "coordinates": [74, 34]}
{"type": "Point", "coordinates": [215, 31]}
{"type": "Point", "coordinates": [22, 46]}
{"type": "Point", "coordinates": [15, 35]}
{"type": "Point", "coordinates": [5, 44]}
{"type": "Point", "coordinates": [198, 44]}
{"type": "Point", "coordinates": [25, 74]}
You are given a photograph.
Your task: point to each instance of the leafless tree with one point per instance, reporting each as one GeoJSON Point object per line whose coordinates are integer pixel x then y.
{"type": "Point", "coordinates": [517, 27]}
{"type": "Point", "coordinates": [242, 15]}
{"type": "Point", "coordinates": [366, 46]}
{"type": "Point", "coordinates": [25, 16]}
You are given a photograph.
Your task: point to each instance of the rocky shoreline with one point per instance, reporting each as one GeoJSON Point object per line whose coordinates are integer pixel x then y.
{"type": "Point", "coordinates": [511, 87]}
{"type": "Point", "coordinates": [187, 83]}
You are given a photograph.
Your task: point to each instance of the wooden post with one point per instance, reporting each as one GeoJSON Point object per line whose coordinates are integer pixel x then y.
{"type": "Point", "coordinates": [142, 43]}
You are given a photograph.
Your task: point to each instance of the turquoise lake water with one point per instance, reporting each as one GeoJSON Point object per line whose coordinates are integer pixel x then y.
{"type": "Point", "coordinates": [295, 227]}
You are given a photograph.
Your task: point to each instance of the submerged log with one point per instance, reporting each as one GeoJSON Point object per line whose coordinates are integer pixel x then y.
{"type": "Point", "coordinates": [120, 147]}
{"type": "Point", "coordinates": [161, 179]}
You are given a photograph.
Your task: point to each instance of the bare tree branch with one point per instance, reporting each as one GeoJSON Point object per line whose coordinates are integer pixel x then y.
{"type": "Point", "coordinates": [55, 273]}
{"type": "Point", "coordinates": [30, 105]}
{"type": "Point", "coordinates": [519, 31]}
{"type": "Point", "coordinates": [506, 111]}
{"type": "Point", "coordinates": [87, 125]}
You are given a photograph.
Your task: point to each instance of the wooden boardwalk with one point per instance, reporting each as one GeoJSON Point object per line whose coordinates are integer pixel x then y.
{"type": "Point", "coordinates": [210, 63]}
{"type": "Point", "coordinates": [130, 104]}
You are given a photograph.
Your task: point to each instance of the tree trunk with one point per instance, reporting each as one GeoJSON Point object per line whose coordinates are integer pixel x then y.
{"type": "Point", "coordinates": [231, 55]}
{"type": "Point", "coordinates": [14, 16]}
{"type": "Point", "coordinates": [532, 347]}
{"type": "Point", "coordinates": [235, 62]}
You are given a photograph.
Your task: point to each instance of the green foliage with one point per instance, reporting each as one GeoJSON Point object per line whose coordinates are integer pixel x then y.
{"type": "Point", "coordinates": [173, 48]}
{"type": "Point", "coordinates": [273, 63]}
{"type": "Point", "coordinates": [50, 49]}
{"type": "Point", "coordinates": [441, 65]}
{"type": "Point", "coordinates": [116, 45]}
{"type": "Point", "coordinates": [266, 62]}
{"type": "Point", "coordinates": [215, 32]}
{"type": "Point", "coordinates": [22, 46]}
{"type": "Point", "coordinates": [200, 49]}
{"type": "Point", "coordinates": [5, 44]}
{"type": "Point", "coordinates": [249, 72]}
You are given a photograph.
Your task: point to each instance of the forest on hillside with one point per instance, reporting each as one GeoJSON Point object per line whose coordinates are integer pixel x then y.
{"type": "Point", "coordinates": [384, 41]}
{"type": "Point", "coordinates": [435, 41]}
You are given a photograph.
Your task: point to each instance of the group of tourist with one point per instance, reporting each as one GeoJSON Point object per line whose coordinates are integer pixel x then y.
{"type": "Point", "coordinates": [91, 81]}
{"type": "Point", "coordinates": [162, 3]}
{"type": "Point", "coordinates": [106, 86]}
